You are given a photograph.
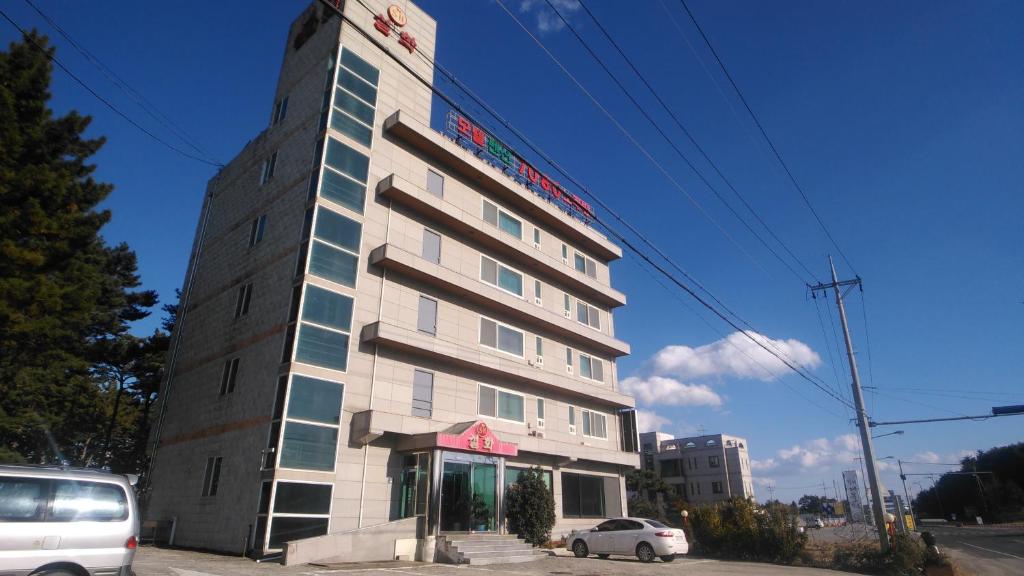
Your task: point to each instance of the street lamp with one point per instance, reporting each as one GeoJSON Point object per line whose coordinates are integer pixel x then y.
{"type": "Point", "coordinates": [898, 432]}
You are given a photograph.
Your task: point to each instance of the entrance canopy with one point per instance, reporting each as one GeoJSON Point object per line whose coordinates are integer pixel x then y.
{"type": "Point", "coordinates": [474, 437]}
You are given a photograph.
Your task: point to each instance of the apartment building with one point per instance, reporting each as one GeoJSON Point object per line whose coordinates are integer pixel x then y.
{"type": "Point", "coordinates": [384, 322]}
{"type": "Point", "coordinates": [700, 469]}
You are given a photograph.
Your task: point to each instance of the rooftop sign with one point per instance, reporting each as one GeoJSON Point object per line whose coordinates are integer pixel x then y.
{"type": "Point", "coordinates": [495, 152]}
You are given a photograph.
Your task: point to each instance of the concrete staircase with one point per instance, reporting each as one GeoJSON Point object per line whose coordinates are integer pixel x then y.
{"type": "Point", "coordinates": [480, 549]}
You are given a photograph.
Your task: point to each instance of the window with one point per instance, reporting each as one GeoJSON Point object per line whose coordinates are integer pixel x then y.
{"type": "Point", "coordinates": [435, 183]}
{"type": "Point", "coordinates": [357, 86]}
{"type": "Point", "coordinates": [582, 496]}
{"type": "Point", "coordinates": [568, 360]}
{"type": "Point", "coordinates": [565, 253]}
{"type": "Point", "coordinates": [690, 445]}
{"type": "Point", "coordinates": [347, 160]}
{"type": "Point", "coordinates": [591, 368]}
{"type": "Point", "coordinates": [228, 376]}
{"type": "Point", "coordinates": [268, 169]}
{"type": "Point", "coordinates": [572, 420]}
{"type": "Point", "coordinates": [567, 305]}
{"type": "Point", "coordinates": [361, 67]}
{"type": "Point", "coordinates": [211, 480]}
{"type": "Point", "coordinates": [503, 220]}
{"type": "Point", "coordinates": [501, 404]}
{"type": "Point", "coordinates": [536, 237]}
{"type": "Point", "coordinates": [587, 314]}
{"type": "Point", "coordinates": [585, 265]}
{"type": "Point", "coordinates": [242, 301]}
{"type": "Point", "coordinates": [431, 246]}
{"type": "Point", "coordinates": [716, 487]}
{"type": "Point", "coordinates": [512, 476]}
{"type": "Point", "coordinates": [540, 412]}
{"type": "Point", "coordinates": [22, 499]}
{"type": "Point", "coordinates": [349, 126]}
{"type": "Point", "coordinates": [301, 510]}
{"type": "Point", "coordinates": [324, 329]}
{"type": "Point", "coordinates": [427, 320]}
{"type": "Point", "coordinates": [497, 274]}
{"type": "Point", "coordinates": [344, 177]}
{"type": "Point", "coordinates": [711, 443]}
{"type": "Point", "coordinates": [334, 252]}
{"type": "Point", "coordinates": [422, 393]}
{"type": "Point", "coordinates": [671, 468]}
{"type": "Point", "coordinates": [537, 292]}
{"type": "Point", "coordinates": [415, 485]}
{"type": "Point", "coordinates": [310, 439]}
{"type": "Point", "coordinates": [501, 337]}
{"type": "Point", "coordinates": [259, 225]}
{"type": "Point", "coordinates": [713, 462]}
{"type": "Point", "coordinates": [540, 347]}
{"type": "Point", "coordinates": [280, 110]}
{"type": "Point", "coordinates": [594, 424]}
{"type": "Point", "coordinates": [354, 99]}
{"type": "Point", "coordinates": [77, 501]}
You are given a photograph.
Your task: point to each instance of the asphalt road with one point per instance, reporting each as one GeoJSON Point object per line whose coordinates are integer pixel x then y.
{"type": "Point", "coordinates": [152, 561]}
{"type": "Point", "coordinates": [983, 550]}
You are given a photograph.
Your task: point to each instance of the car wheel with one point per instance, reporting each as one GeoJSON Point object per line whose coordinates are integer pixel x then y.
{"type": "Point", "coordinates": [55, 572]}
{"type": "Point", "coordinates": [645, 552]}
{"type": "Point", "coordinates": [579, 548]}
{"type": "Point", "coordinates": [668, 557]}
{"type": "Point", "coordinates": [603, 556]}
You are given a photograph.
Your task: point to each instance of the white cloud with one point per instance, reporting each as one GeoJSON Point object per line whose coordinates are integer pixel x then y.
{"type": "Point", "coordinates": [649, 421]}
{"type": "Point", "coordinates": [668, 391]}
{"type": "Point", "coordinates": [814, 455]}
{"type": "Point", "coordinates": [547, 19]}
{"type": "Point", "coordinates": [735, 355]}
{"type": "Point", "coordinates": [762, 465]}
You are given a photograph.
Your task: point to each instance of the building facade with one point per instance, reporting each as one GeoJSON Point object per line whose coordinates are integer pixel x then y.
{"type": "Point", "coordinates": [380, 326]}
{"type": "Point", "coordinates": [700, 469]}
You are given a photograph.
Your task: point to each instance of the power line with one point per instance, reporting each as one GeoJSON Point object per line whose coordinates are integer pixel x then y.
{"type": "Point", "coordinates": [764, 133]}
{"type": "Point", "coordinates": [672, 144]}
{"type": "Point", "coordinates": [112, 76]}
{"type": "Point", "coordinates": [106, 102]}
{"type": "Point", "coordinates": [551, 162]}
{"type": "Point", "coordinates": [640, 147]}
{"type": "Point", "coordinates": [692, 140]}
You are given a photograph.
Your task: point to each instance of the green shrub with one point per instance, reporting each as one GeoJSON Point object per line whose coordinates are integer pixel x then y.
{"type": "Point", "coordinates": [737, 530]}
{"type": "Point", "coordinates": [906, 557]}
{"type": "Point", "coordinates": [530, 508]}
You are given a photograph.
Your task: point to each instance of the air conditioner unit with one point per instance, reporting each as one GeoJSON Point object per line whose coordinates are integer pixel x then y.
{"type": "Point", "coordinates": [538, 301]}
{"type": "Point", "coordinates": [572, 429]}
{"type": "Point", "coordinates": [565, 261]}
{"type": "Point", "coordinates": [568, 369]}
{"type": "Point", "coordinates": [536, 245]}
{"type": "Point", "coordinates": [540, 361]}
{"type": "Point", "coordinates": [566, 313]}
{"type": "Point", "coordinates": [538, 433]}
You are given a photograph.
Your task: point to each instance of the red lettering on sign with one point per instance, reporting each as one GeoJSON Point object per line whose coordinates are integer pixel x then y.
{"type": "Point", "coordinates": [381, 25]}
{"type": "Point", "coordinates": [478, 136]}
{"type": "Point", "coordinates": [405, 39]}
{"type": "Point", "coordinates": [464, 127]}
{"type": "Point", "coordinates": [545, 184]}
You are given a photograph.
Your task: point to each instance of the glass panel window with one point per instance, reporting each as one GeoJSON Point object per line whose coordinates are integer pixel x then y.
{"type": "Point", "coordinates": [347, 160]}
{"type": "Point", "coordinates": [431, 246]}
{"type": "Point", "coordinates": [321, 347]}
{"type": "Point", "coordinates": [338, 230]}
{"type": "Point", "coordinates": [426, 320]}
{"type": "Point", "coordinates": [582, 496]}
{"type": "Point", "coordinates": [228, 376]}
{"type": "Point", "coordinates": [422, 393]}
{"type": "Point", "coordinates": [502, 404]}
{"type": "Point", "coordinates": [565, 252]}
{"type": "Point", "coordinates": [22, 499]}
{"type": "Point", "coordinates": [591, 368]}
{"type": "Point", "coordinates": [76, 501]}
{"type": "Point", "coordinates": [488, 402]}
{"type": "Point", "coordinates": [315, 400]}
{"type": "Point", "coordinates": [351, 127]}
{"type": "Point", "coordinates": [302, 498]}
{"type": "Point", "coordinates": [536, 289]}
{"type": "Point", "coordinates": [503, 220]}
{"type": "Point", "coordinates": [540, 412]}
{"type": "Point", "coordinates": [587, 314]}
{"type": "Point", "coordinates": [502, 337]}
{"type": "Point", "coordinates": [256, 230]}
{"type": "Point", "coordinates": [585, 265]}
{"type": "Point", "coordinates": [536, 237]}
{"type": "Point", "coordinates": [327, 308]}
{"type": "Point", "coordinates": [343, 190]}
{"type": "Point", "coordinates": [309, 447]}
{"type": "Point", "coordinates": [357, 86]}
{"type": "Point", "coordinates": [361, 67]}
{"type": "Point", "coordinates": [540, 346]}
{"type": "Point", "coordinates": [332, 264]}
{"type": "Point", "coordinates": [211, 480]}
{"type": "Point", "coordinates": [594, 424]}
{"type": "Point", "coordinates": [287, 528]}
{"type": "Point", "coordinates": [572, 420]}
{"type": "Point", "coordinates": [354, 107]}
{"type": "Point", "coordinates": [243, 300]}
{"type": "Point", "coordinates": [490, 213]}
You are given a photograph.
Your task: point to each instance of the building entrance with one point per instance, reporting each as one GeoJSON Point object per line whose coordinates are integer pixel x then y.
{"type": "Point", "coordinates": [469, 493]}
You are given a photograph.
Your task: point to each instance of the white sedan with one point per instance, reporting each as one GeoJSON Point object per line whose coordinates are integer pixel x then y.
{"type": "Point", "coordinates": [646, 539]}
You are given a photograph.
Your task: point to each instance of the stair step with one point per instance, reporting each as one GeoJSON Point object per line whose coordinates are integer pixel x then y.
{"type": "Point", "coordinates": [504, 559]}
{"type": "Point", "coordinates": [494, 553]}
{"type": "Point", "coordinates": [491, 544]}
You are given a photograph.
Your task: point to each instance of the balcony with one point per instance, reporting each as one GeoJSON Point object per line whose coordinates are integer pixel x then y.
{"type": "Point", "coordinates": [488, 363]}
{"type": "Point", "coordinates": [524, 254]}
{"type": "Point", "coordinates": [471, 290]}
{"type": "Point", "coordinates": [456, 158]}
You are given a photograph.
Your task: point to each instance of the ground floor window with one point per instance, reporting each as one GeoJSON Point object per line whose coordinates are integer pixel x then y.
{"type": "Point", "coordinates": [299, 510]}
{"type": "Point", "coordinates": [512, 475]}
{"type": "Point", "coordinates": [582, 496]}
{"type": "Point", "coordinates": [415, 485]}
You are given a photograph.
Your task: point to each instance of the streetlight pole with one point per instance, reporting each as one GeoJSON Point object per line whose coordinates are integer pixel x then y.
{"type": "Point", "coordinates": [862, 416]}
{"type": "Point", "coordinates": [906, 493]}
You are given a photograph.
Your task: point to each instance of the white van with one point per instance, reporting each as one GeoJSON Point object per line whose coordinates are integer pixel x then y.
{"type": "Point", "coordinates": [66, 522]}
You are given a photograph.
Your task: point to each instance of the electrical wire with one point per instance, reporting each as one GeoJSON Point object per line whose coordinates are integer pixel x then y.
{"type": "Point", "coordinates": [612, 231]}
{"type": "Point", "coordinates": [674, 146]}
{"type": "Point", "coordinates": [764, 133]}
{"type": "Point", "coordinates": [692, 140]}
{"type": "Point", "coordinates": [125, 87]}
{"type": "Point", "coordinates": [53, 58]}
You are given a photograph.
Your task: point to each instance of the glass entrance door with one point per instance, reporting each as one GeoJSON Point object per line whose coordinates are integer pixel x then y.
{"type": "Point", "coordinates": [468, 497]}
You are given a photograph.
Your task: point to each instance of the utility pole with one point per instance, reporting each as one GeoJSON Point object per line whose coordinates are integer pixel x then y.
{"type": "Point", "coordinates": [862, 415]}
{"type": "Point", "coordinates": [906, 493]}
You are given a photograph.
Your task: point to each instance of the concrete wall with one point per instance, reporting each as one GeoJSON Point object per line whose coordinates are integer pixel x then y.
{"type": "Point", "coordinates": [372, 543]}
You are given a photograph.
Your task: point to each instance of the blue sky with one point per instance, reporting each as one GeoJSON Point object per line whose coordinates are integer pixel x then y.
{"type": "Point", "coordinates": [902, 122]}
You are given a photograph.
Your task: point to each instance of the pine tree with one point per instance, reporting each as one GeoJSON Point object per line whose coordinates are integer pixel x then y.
{"type": "Point", "coordinates": [64, 293]}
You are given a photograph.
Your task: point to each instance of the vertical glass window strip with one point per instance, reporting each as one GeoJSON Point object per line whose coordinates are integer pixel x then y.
{"type": "Point", "coordinates": [540, 347]}
{"type": "Point", "coordinates": [422, 393]}
{"type": "Point", "coordinates": [536, 237]}
{"type": "Point", "coordinates": [361, 67]}
{"type": "Point", "coordinates": [259, 225]}
{"type": "Point", "coordinates": [536, 290]}
{"type": "Point", "coordinates": [310, 439]}
{"type": "Point", "coordinates": [323, 331]}
{"type": "Point", "coordinates": [335, 247]}
{"type": "Point", "coordinates": [540, 412]}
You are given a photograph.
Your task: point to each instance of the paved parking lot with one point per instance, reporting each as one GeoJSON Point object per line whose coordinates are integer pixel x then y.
{"type": "Point", "coordinates": [152, 561]}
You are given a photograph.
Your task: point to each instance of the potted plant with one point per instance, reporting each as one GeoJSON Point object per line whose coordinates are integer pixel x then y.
{"type": "Point", "coordinates": [481, 514]}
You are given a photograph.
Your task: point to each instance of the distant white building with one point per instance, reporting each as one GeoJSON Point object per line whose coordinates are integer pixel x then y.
{"type": "Point", "coordinates": [700, 468]}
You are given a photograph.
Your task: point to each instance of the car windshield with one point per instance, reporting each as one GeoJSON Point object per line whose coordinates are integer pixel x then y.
{"type": "Point", "coordinates": [655, 524]}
